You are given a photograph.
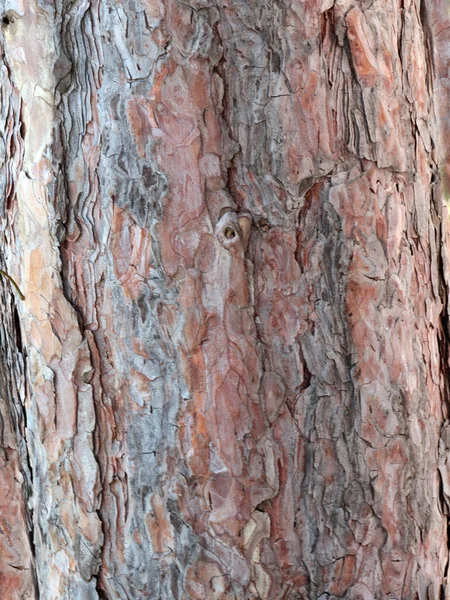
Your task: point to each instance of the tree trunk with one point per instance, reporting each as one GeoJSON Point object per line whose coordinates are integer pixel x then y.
{"type": "Point", "coordinates": [229, 376]}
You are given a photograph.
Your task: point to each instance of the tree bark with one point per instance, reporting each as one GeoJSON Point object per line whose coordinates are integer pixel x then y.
{"type": "Point", "coordinates": [229, 376]}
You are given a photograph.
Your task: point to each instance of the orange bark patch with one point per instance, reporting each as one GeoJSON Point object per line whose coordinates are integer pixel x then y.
{"type": "Point", "coordinates": [139, 121]}
{"type": "Point", "coordinates": [364, 60]}
{"type": "Point", "coordinates": [159, 526]}
{"type": "Point", "coordinates": [343, 575]}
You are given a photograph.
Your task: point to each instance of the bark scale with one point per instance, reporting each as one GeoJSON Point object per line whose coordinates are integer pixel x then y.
{"type": "Point", "coordinates": [229, 376]}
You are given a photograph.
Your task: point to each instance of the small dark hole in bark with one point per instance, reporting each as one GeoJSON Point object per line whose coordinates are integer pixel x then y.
{"type": "Point", "coordinates": [229, 233]}
{"type": "Point", "coordinates": [7, 20]}
{"type": "Point", "coordinates": [264, 224]}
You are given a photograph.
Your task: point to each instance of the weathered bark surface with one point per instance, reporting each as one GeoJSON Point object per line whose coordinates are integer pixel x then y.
{"type": "Point", "coordinates": [229, 376]}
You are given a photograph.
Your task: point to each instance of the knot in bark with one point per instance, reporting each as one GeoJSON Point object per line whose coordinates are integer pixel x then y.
{"type": "Point", "coordinates": [233, 229]}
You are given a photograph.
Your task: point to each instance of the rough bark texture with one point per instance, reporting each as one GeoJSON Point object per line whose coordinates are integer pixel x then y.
{"type": "Point", "coordinates": [229, 375]}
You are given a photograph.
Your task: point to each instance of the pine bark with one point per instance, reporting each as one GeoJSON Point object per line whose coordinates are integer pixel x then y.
{"type": "Point", "coordinates": [229, 377]}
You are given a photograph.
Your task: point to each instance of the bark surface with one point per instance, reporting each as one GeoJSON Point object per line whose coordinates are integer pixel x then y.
{"type": "Point", "coordinates": [229, 375]}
